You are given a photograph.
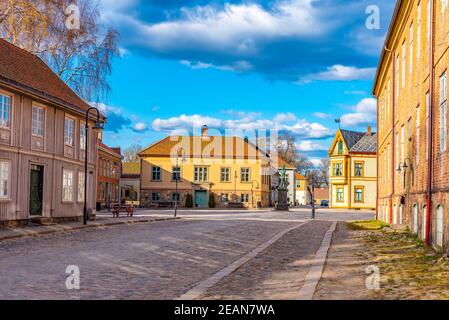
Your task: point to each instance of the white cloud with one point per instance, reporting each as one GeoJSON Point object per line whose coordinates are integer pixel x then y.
{"type": "Point", "coordinates": [340, 73]}
{"type": "Point", "coordinates": [365, 113]}
{"type": "Point", "coordinates": [321, 115]}
{"type": "Point", "coordinates": [309, 146]}
{"type": "Point", "coordinates": [235, 27]}
{"type": "Point", "coordinates": [238, 66]}
{"type": "Point", "coordinates": [281, 122]}
{"type": "Point", "coordinates": [140, 127]}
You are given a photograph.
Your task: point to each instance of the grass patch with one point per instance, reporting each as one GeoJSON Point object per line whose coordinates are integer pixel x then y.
{"type": "Point", "coordinates": [367, 225]}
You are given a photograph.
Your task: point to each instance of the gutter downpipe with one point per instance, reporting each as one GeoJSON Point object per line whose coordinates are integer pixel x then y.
{"type": "Point", "coordinates": [393, 144]}
{"type": "Point", "coordinates": [430, 129]}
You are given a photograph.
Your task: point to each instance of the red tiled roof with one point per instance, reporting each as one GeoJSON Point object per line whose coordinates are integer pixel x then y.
{"type": "Point", "coordinates": [113, 151]}
{"type": "Point", "coordinates": [300, 176]}
{"type": "Point", "coordinates": [322, 193]}
{"type": "Point", "coordinates": [281, 164]}
{"type": "Point", "coordinates": [25, 71]}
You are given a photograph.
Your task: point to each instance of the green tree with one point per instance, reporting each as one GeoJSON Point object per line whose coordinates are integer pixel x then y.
{"type": "Point", "coordinates": [189, 201]}
{"type": "Point", "coordinates": [212, 203]}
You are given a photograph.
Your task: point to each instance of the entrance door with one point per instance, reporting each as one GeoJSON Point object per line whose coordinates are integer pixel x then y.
{"type": "Point", "coordinates": [36, 190]}
{"type": "Point", "coordinates": [200, 199]}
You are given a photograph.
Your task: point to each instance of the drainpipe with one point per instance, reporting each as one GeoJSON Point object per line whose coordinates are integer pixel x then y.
{"type": "Point", "coordinates": [393, 135]}
{"type": "Point", "coordinates": [430, 128]}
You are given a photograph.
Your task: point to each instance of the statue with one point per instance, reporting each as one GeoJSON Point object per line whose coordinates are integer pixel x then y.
{"type": "Point", "coordinates": [282, 203]}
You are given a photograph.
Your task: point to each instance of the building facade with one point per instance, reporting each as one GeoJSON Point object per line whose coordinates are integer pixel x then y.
{"type": "Point", "coordinates": [108, 175]}
{"type": "Point", "coordinates": [42, 143]}
{"type": "Point", "coordinates": [411, 87]}
{"type": "Point", "coordinates": [231, 169]}
{"type": "Point", "coordinates": [302, 194]}
{"type": "Point", "coordinates": [130, 183]}
{"type": "Point", "coordinates": [353, 168]}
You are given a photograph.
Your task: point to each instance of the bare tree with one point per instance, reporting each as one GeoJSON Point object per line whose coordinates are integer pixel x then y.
{"type": "Point", "coordinates": [286, 148]}
{"type": "Point", "coordinates": [324, 172]}
{"type": "Point", "coordinates": [80, 56]}
{"type": "Point", "coordinates": [131, 154]}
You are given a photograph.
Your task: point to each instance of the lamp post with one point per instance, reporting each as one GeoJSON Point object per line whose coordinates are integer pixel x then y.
{"type": "Point", "coordinates": [99, 125]}
{"type": "Point", "coordinates": [178, 177]}
{"type": "Point", "coordinates": [403, 167]}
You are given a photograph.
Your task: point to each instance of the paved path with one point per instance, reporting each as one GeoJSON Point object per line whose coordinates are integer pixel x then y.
{"type": "Point", "coordinates": [161, 260]}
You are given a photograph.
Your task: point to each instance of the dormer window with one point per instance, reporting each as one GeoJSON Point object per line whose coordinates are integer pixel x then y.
{"type": "Point", "coordinates": [340, 147]}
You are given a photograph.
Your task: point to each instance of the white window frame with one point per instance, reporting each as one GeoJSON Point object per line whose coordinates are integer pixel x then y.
{"type": "Point", "coordinates": [418, 134]}
{"type": "Point", "coordinates": [411, 44]}
{"type": "Point", "coordinates": [427, 124]}
{"type": "Point", "coordinates": [81, 184]}
{"type": "Point", "coordinates": [67, 185]}
{"type": "Point", "coordinates": [201, 174]}
{"type": "Point", "coordinates": [225, 174]}
{"type": "Point", "coordinates": [403, 64]}
{"type": "Point", "coordinates": [396, 80]}
{"type": "Point", "coordinates": [156, 170]}
{"type": "Point", "coordinates": [245, 175]}
{"type": "Point", "coordinates": [403, 143]}
{"type": "Point", "coordinates": [418, 30]}
{"type": "Point", "coordinates": [415, 219]}
{"type": "Point", "coordinates": [83, 136]}
{"type": "Point", "coordinates": [5, 123]}
{"type": "Point", "coordinates": [397, 152]}
{"type": "Point", "coordinates": [424, 223]}
{"type": "Point", "coordinates": [443, 112]}
{"type": "Point", "coordinates": [439, 225]}
{"type": "Point", "coordinates": [69, 131]}
{"type": "Point", "coordinates": [5, 179]}
{"type": "Point", "coordinates": [38, 124]}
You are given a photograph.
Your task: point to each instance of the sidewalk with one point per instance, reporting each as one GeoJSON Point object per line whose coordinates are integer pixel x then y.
{"type": "Point", "coordinates": [100, 222]}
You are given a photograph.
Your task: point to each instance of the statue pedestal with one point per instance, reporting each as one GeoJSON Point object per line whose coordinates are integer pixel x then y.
{"type": "Point", "coordinates": [282, 204]}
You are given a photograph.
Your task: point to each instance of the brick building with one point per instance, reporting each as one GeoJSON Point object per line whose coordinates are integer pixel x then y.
{"type": "Point", "coordinates": [108, 175]}
{"type": "Point", "coordinates": [411, 87]}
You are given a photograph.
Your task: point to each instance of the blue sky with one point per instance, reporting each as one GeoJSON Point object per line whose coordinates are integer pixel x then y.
{"type": "Point", "coordinates": [293, 65]}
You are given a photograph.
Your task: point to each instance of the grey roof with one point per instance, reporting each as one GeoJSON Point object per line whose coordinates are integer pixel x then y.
{"type": "Point", "coordinates": [367, 144]}
{"type": "Point", "coordinates": [351, 137]}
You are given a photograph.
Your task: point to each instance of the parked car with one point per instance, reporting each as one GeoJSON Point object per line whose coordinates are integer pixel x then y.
{"type": "Point", "coordinates": [325, 203]}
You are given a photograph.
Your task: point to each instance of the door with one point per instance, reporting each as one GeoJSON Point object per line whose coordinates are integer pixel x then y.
{"type": "Point", "coordinates": [36, 190]}
{"type": "Point", "coordinates": [200, 199]}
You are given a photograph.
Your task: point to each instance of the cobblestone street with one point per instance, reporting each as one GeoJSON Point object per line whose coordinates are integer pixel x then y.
{"type": "Point", "coordinates": [163, 260]}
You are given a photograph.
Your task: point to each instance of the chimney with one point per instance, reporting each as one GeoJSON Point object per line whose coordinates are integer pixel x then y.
{"type": "Point", "coordinates": [370, 131]}
{"type": "Point", "coordinates": [204, 131]}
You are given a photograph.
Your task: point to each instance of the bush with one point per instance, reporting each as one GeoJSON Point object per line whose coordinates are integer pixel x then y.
{"type": "Point", "coordinates": [212, 203]}
{"type": "Point", "coordinates": [189, 201]}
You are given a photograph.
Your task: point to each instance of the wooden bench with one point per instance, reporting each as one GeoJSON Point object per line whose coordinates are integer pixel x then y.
{"type": "Point", "coordinates": [117, 208]}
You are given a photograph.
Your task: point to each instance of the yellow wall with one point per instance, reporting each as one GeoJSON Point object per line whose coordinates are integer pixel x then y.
{"type": "Point", "coordinates": [257, 187]}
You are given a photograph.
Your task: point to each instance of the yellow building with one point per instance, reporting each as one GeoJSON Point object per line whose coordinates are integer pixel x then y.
{"type": "Point", "coordinates": [353, 170]}
{"type": "Point", "coordinates": [302, 194]}
{"type": "Point", "coordinates": [231, 169]}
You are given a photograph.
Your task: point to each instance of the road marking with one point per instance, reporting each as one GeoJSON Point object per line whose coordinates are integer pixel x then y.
{"type": "Point", "coordinates": [316, 269]}
{"type": "Point", "coordinates": [205, 285]}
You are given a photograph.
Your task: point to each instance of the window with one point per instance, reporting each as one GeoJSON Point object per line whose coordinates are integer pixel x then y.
{"type": "Point", "coordinates": [245, 174]}
{"type": "Point", "coordinates": [224, 197]}
{"type": "Point", "coordinates": [429, 21]}
{"type": "Point", "coordinates": [396, 160]}
{"type": "Point", "coordinates": [388, 97]}
{"type": "Point", "coordinates": [225, 175]}
{"type": "Point", "coordinates": [67, 185]}
{"type": "Point", "coordinates": [69, 131]}
{"type": "Point", "coordinates": [340, 195]}
{"type": "Point", "coordinates": [424, 223]}
{"type": "Point", "coordinates": [244, 198]}
{"type": "Point", "coordinates": [338, 169]}
{"type": "Point", "coordinates": [439, 226]}
{"type": "Point", "coordinates": [4, 179]}
{"type": "Point", "coordinates": [415, 219]}
{"type": "Point", "coordinates": [402, 143]}
{"type": "Point", "coordinates": [155, 197]}
{"type": "Point", "coordinates": [176, 174]}
{"type": "Point", "coordinates": [340, 147]}
{"type": "Point", "coordinates": [358, 194]}
{"type": "Point", "coordinates": [156, 173]}
{"type": "Point", "coordinates": [411, 43]}
{"type": "Point", "coordinates": [427, 124]}
{"type": "Point", "coordinates": [83, 140]}
{"type": "Point", "coordinates": [5, 105]}
{"type": "Point", "coordinates": [201, 174]}
{"type": "Point", "coordinates": [38, 121]}
{"type": "Point", "coordinates": [396, 79]}
{"type": "Point", "coordinates": [443, 5]}
{"type": "Point", "coordinates": [81, 186]}
{"type": "Point", "coordinates": [418, 132]}
{"type": "Point", "coordinates": [388, 162]}
{"type": "Point", "coordinates": [443, 112]}
{"type": "Point", "coordinates": [403, 63]}
{"type": "Point", "coordinates": [175, 197]}
{"type": "Point", "coordinates": [358, 172]}
{"type": "Point", "coordinates": [418, 30]}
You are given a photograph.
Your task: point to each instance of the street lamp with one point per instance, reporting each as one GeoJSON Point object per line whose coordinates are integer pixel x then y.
{"type": "Point", "coordinates": [403, 167]}
{"type": "Point", "coordinates": [99, 125]}
{"type": "Point", "coordinates": [178, 177]}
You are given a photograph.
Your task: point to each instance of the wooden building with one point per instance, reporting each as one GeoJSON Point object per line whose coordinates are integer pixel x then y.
{"type": "Point", "coordinates": [42, 142]}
